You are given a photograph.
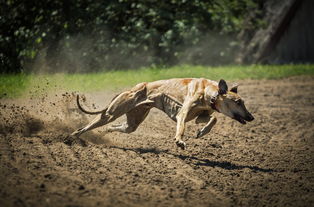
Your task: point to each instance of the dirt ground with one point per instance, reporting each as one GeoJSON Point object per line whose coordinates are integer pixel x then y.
{"type": "Point", "coordinates": [268, 162]}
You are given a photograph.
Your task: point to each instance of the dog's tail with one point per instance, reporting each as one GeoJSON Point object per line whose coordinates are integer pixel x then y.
{"type": "Point", "coordinates": [85, 111]}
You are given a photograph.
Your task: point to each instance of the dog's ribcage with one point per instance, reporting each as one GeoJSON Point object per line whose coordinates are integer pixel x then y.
{"type": "Point", "coordinates": [170, 106]}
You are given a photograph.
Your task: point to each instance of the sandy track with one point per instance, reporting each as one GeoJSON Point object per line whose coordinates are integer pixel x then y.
{"type": "Point", "coordinates": [268, 162]}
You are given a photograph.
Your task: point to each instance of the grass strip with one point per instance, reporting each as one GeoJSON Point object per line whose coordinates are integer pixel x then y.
{"type": "Point", "coordinates": [13, 86]}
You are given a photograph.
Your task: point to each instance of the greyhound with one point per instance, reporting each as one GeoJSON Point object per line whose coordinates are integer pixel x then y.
{"type": "Point", "coordinates": [182, 99]}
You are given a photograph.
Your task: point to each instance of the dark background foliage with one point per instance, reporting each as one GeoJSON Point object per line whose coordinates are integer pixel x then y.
{"type": "Point", "coordinates": [93, 35]}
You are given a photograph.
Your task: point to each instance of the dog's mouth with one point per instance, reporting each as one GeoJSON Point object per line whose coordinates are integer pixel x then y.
{"type": "Point", "coordinates": [239, 119]}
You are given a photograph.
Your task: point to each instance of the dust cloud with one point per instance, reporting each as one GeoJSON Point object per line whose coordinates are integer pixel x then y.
{"type": "Point", "coordinates": [46, 114]}
{"type": "Point", "coordinates": [83, 54]}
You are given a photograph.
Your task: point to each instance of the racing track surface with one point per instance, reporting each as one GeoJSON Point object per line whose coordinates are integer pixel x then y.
{"type": "Point", "coordinates": [268, 162]}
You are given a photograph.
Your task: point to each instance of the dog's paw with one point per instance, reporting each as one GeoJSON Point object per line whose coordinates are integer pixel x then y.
{"type": "Point", "coordinates": [199, 134]}
{"type": "Point", "coordinates": [181, 144]}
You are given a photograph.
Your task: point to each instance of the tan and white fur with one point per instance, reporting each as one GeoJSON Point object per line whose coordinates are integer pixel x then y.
{"type": "Point", "coordinates": [181, 99]}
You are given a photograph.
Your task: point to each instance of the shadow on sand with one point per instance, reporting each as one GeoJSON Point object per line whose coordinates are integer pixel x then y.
{"type": "Point", "coordinates": [192, 160]}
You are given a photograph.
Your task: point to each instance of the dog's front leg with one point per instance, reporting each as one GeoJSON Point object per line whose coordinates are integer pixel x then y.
{"type": "Point", "coordinates": [180, 128]}
{"type": "Point", "coordinates": [206, 129]}
{"type": "Point", "coordinates": [181, 117]}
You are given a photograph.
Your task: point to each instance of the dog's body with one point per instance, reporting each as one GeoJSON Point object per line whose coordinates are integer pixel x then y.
{"type": "Point", "coordinates": [181, 99]}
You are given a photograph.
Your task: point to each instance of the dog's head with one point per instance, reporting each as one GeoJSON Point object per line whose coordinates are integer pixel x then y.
{"type": "Point", "coordinates": [230, 103]}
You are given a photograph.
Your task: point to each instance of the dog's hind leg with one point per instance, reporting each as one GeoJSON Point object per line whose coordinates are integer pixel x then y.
{"type": "Point", "coordinates": [100, 120]}
{"type": "Point", "coordinates": [121, 104]}
{"type": "Point", "coordinates": [134, 118]}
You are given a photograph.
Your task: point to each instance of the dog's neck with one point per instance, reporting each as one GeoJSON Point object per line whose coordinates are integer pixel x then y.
{"type": "Point", "coordinates": [213, 102]}
{"type": "Point", "coordinates": [211, 97]}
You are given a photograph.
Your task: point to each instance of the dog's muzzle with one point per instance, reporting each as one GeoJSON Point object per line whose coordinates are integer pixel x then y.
{"type": "Point", "coordinates": [243, 120]}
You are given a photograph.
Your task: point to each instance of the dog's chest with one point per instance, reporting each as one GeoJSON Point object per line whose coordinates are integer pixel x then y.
{"type": "Point", "coordinates": [196, 111]}
{"type": "Point", "coordinates": [172, 107]}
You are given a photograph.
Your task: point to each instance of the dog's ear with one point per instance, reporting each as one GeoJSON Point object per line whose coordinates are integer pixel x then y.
{"type": "Point", "coordinates": [222, 87]}
{"type": "Point", "coordinates": [141, 89]}
{"type": "Point", "coordinates": [234, 88]}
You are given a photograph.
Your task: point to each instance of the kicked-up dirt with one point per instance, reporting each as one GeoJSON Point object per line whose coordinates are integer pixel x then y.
{"type": "Point", "coordinates": [267, 162]}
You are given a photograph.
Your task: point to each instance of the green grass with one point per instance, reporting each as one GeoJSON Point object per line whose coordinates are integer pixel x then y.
{"type": "Point", "coordinates": [19, 85]}
{"type": "Point", "coordinates": [13, 85]}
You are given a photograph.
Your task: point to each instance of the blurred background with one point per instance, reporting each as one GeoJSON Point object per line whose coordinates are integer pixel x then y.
{"type": "Point", "coordinates": [92, 36]}
{"type": "Point", "coordinates": [52, 50]}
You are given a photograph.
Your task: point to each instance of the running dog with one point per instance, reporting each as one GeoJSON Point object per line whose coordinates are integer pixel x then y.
{"type": "Point", "coordinates": [181, 99]}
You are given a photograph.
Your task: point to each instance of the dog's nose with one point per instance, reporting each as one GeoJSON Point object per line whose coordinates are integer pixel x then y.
{"type": "Point", "coordinates": [250, 118]}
